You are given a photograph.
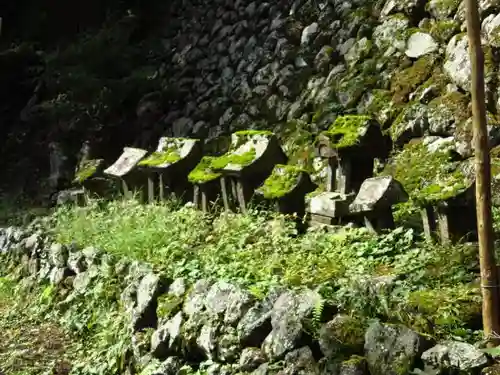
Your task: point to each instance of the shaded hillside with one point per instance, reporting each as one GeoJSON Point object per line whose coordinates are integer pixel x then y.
{"type": "Point", "coordinates": [198, 69]}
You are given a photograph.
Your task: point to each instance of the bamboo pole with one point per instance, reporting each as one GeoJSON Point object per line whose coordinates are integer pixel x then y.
{"type": "Point", "coordinates": [489, 277]}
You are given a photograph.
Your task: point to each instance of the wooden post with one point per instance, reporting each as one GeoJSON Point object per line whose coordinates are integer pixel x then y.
{"type": "Point", "coordinates": [489, 276]}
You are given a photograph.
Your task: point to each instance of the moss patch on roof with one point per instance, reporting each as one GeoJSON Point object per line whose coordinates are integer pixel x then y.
{"type": "Point", "coordinates": [347, 130]}
{"type": "Point", "coordinates": [428, 177]}
{"type": "Point", "coordinates": [283, 179]}
{"type": "Point", "coordinates": [161, 158]}
{"type": "Point", "coordinates": [203, 172]}
{"type": "Point", "coordinates": [87, 169]}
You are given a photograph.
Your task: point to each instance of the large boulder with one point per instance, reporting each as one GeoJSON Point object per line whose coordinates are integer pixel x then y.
{"type": "Point", "coordinates": [455, 356]}
{"type": "Point", "coordinates": [393, 349]}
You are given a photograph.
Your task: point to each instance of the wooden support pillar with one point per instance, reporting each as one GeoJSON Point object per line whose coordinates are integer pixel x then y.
{"type": "Point", "coordinates": [151, 188]}
{"type": "Point", "coordinates": [225, 198]}
{"type": "Point", "coordinates": [428, 221]}
{"type": "Point", "coordinates": [444, 225]}
{"type": "Point", "coordinates": [204, 201]}
{"type": "Point", "coordinates": [241, 194]}
{"type": "Point", "coordinates": [196, 196]}
{"type": "Point", "coordinates": [126, 191]}
{"type": "Point", "coordinates": [344, 176]}
{"type": "Point", "coordinates": [331, 174]}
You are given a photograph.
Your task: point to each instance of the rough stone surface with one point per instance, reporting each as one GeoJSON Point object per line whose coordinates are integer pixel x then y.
{"type": "Point", "coordinates": [420, 44]}
{"type": "Point", "coordinates": [456, 355]}
{"type": "Point", "coordinates": [393, 349]}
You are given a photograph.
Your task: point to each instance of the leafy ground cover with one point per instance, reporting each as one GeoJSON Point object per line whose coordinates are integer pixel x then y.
{"type": "Point", "coordinates": [434, 288]}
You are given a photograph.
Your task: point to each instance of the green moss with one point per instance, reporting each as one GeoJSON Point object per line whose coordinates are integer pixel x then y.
{"type": "Point", "coordinates": [346, 130]}
{"type": "Point", "coordinates": [168, 305]}
{"type": "Point", "coordinates": [348, 332]}
{"type": "Point", "coordinates": [223, 161]}
{"type": "Point", "coordinates": [283, 179]}
{"type": "Point", "coordinates": [408, 80]}
{"type": "Point", "coordinates": [443, 8]}
{"type": "Point", "coordinates": [239, 138]}
{"type": "Point", "coordinates": [382, 108]}
{"type": "Point", "coordinates": [203, 172]}
{"type": "Point", "coordinates": [87, 169]}
{"type": "Point", "coordinates": [354, 360]}
{"type": "Point", "coordinates": [446, 308]}
{"type": "Point", "coordinates": [427, 182]}
{"type": "Point", "coordinates": [161, 158]}
{"type": "Point", "coordinates": [441, 30]}
{"type": "Point", "coordinates": [454, 104]}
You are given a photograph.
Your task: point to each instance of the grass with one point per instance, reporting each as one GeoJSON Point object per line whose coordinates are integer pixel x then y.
{"type": "Point", "coordinates": [28, 346]}
{"type": "Point", "coordinates": [262, 249]}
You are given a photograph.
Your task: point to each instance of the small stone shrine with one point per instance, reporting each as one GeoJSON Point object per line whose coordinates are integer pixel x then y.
{"type": "Point", "coordinates": [287, 187]}
{"type": "Point", "coordinates": [349, 147]}
{"type": "Point", "coordinates": [125, 171]}
{"type": "Point", "coordinates": [374, 202]}
{"type": "Point", "coordinates": [249, 161]}
{"type": "Point", "coordinates": [168, 167]}
{"type": "Point", "coordinates": [450, 210]}
{"type": "Point", "coordinates": [206, 184]}
{"type": "Point", "coordinates": [89, 175]}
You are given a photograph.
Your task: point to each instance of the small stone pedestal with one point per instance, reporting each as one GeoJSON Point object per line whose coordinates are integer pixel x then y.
{"type": "Point", "coordinates": [286, 188]}
{"type": "Point", "coordinates": [374, 202]}
{"type": "Point", "coordinates": [249, 161]}
{"type": "Point", "coordinates": [168, 167]}
{"type": "Point", "coordinates": [206, 184]}
{"type": "Point", "coordinates": [124, 170]}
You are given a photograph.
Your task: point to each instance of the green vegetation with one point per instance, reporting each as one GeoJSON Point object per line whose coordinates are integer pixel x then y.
{"type": "Point", "coordinates": [283, 179]}
{"type": "Point", "coordinates": [157, 159]}
{"type": "Point", "coordinates": [239, 138]}
{"type": "Point", "coordinates": [346, 131]}
{"type": "Point", "coordinates": [61, 330]}
{"type": "Point", "coordinates": [87, 169]}
{"type": "Point", "coordinates": [243, 159]}
{"type": "Point", "coordinates": [261, 250]}
{"type": "Point", "coordinates": [436, 179]}
{"type": "Point", "coordinates": [203, 171]}
{"type": "Point", "coordinates": [408, 80]}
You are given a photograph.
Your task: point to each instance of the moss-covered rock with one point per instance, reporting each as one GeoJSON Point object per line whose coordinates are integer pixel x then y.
{"type": "Point", "coordinates": [348, 130]}
{"type": "Point", "coordinates": [203, 172]}
{"type": "Point", "coordinates": [379, 104]}
{"type": "Point", "coordinates": [436, 179]}
{"type": "Point", "coordinates": [412, 122]}
{"type": "Point", "coordinates": [282, 181]}
{"type": "Point", "coordinates": [351, 88]}
{"type": "Point", "coordinates": [442, 9]}
{"type": "Point", "coordinates": [392, 34]}
{"type": "Point", "coordinates": [448, 112]}
{"type": "Point", "coordinates": [343, 336]}
{"type": "Point", "coordinates": [441, 30]}
{"type": "Point", "coordinates": [408, 80]}
{"type": "Point", "coordinates": [359, 51]}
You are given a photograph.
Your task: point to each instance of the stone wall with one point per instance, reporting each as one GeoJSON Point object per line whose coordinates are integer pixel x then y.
{"type": "Point", "coordinates": [241, 64]}
{"type": "Point", "coordinates": [217, 327]}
